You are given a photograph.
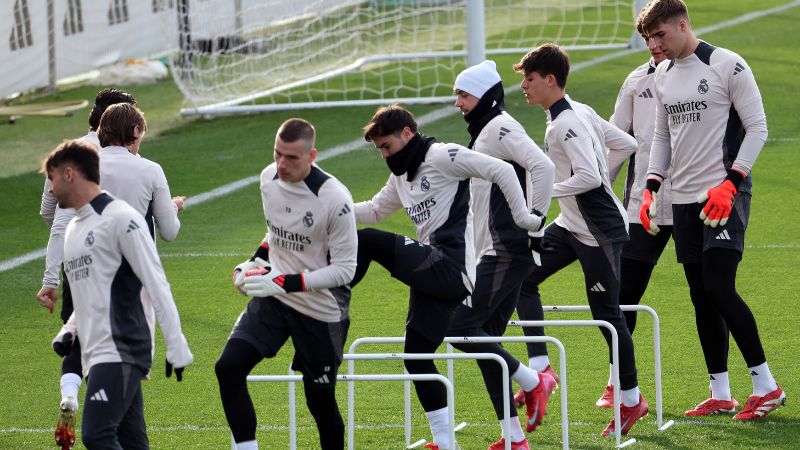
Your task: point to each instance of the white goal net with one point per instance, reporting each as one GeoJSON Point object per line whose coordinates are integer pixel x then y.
{"type": "Point", "coordinates": [259, 55]}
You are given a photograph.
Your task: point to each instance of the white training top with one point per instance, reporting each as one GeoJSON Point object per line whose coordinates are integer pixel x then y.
{"type": "Point", "coordinates": [57, 219]}
{"type": "Point", "coordinates": [496, 234]}
{"type": "Point", "coordinates": [635, 113]}
{"type": "Point", "coordinates": [577, 139]}
{"type": "Point", "coordinates": [711, 119]}
{"type": "Point", "coordinates": [311, 231]}
{"type": "Point", "coordinates": [108, 257]}
{"type": "Point", "coordinates": [143, 185]}
{"type": "Point", "coordinates": [437, 201]}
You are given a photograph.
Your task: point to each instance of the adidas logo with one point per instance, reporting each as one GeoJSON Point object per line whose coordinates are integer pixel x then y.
{"type": "Point", "coordinates": [452, 152]}
{"type": "Point", "coordinates": [711, 377]}
{"type": "Point", "coordinates": [739, 68]}
{"type": "Point", "coordinates": [344, 210]}
{"type": "Point", "coordinates": [409, 241]}
{"type": "Point", "coordinates": [322, 380]}
{"type": "Point", "coordinates": [646, 94]}
{"type": "Point", "coordinates": [503, 133]}
{"type": "Point", "coordinates": [598, 288]}
{"type": "Point", "coordinates": [754, 373]}
{"type": "Point", "coordinates": [724, 236]}
{"type": "Point", "coordinates": [99, 396]}
{"type": "Point", "coordinates": [132, 226]}
{"type": "Point", "coordinates": [570, 134]}
{"type": "Point", "coordinates": [467, 301]}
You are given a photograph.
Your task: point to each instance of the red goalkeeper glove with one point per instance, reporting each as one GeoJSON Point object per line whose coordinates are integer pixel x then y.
{"type": "Point", "coordinates": [648, 209]}
{"type": "Point", "coordinates": [719, 200]}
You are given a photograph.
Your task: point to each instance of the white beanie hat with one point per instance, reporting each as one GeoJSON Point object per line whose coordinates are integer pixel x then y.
{"type": "Point", "coordinates": [476, 80]}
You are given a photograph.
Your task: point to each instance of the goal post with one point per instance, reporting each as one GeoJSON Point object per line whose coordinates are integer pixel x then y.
{"type": "Point", "coordinates": [244, 56]}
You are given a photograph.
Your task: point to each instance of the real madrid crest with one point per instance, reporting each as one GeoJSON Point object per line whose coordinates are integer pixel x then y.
{"type": "Point", "coordinates": [89, 239]}
{"type": "Point", "coordinates": [424, 184]}
{"type": "Point", "coordinates": [308, 219]}
{"type": "Point", "coordinates": [703, 87]}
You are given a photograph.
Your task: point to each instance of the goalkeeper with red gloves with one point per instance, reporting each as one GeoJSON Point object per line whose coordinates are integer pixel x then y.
{"type": "Point", "coordinates": [709, 130]}
{"type": "Point", "coordinates": [297, 279]}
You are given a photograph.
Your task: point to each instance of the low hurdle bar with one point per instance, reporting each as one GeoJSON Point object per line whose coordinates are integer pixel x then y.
{"type": "Point", "coordinates": [292, 379]}
{"type": "Point", "coordinates": [614, 360]}
{"type": "Point", "coordinates": [656, 350]}
{"type": "Point", "coordinates": [463, 339]}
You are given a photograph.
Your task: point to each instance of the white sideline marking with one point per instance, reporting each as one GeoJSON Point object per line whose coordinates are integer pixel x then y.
{"type": "Point", "coordinates": [426, 119]}
{"type": "Point", "coordinates": [578, 424]}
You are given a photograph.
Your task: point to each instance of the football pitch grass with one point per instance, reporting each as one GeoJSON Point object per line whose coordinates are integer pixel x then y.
{"type": "Point", "coordinates": [201, 155]}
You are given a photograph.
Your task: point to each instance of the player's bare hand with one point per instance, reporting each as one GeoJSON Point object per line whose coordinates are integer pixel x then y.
{"type": "Point", "coordinates": [178, 201]}
{"type": "Point", "coordinates": [47, 298]}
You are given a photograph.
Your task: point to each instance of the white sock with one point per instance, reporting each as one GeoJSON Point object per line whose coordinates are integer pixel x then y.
{"type": "Point", "coordinates": [247, 445]}
{"type": "Point", "coordinates": [439, 422]}
{"type": "Point", "coordinates": [610, 375]}
{"type": "Point", "coordinates": [539, 363]}
{"type": "Point", "coordinates": [70, 385]}
{"type": "Point", "coordinates": [630, 397]}
{"type": "Point", "coordinates": [526, 378]}
{"type": "Point", "coordinates": [516, 434]}
{"type": "Point", "coordinates": [720, 387]}
{"type": "Point", "coordinates": [763, 382]}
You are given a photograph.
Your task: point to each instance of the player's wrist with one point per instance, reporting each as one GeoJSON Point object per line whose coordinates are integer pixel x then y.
{"type": "Point", "coordinates": [262, 252]}
{"type": "Point", "coordinates": [735, 177]}
{"type": "Point", "coordinates": [294, 283]}
{"type": "Point", "coordinates": [653, 184]}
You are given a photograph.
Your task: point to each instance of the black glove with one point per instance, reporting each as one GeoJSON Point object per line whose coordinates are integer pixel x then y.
{"type": "Point", "coordinates": [178, 372]}
{"type": "Point", "coordinates": [539, 245]}
{"type": "Point", "coordinates": [62, 344]}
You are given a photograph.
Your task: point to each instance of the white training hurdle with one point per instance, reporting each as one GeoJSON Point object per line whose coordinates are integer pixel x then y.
{"type": "Point", "coordinates": [463, 339]}
{"type": "Point", "coordinates": [292, 379]}
{"type": "Point", "coordinates": [656, 351]}
{"type": "Point", "coordinates": [614, 360]}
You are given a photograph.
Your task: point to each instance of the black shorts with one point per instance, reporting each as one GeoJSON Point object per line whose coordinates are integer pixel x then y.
{"type": "Point", "coordinates": [267, 323]}
{"type": "Point", "coordinates": [645, 247]}
{"type": "Point", "coordinates": [436, 282]}
{"type": "Point", "coordinates": [693, 237]}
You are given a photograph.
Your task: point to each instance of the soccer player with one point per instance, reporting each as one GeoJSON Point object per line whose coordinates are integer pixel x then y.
{"type": "Point", "coordinates": [708, 132]}
{"type": "Point", "coordinates": [430, 182]}
{"type": "Point", "coordinates": [297, 279]}
{"type": "Point", "coordinates": [635, 113]}
{"type": "Point", "coordinates": [108, 258]}
{"type": "Point", "coordinates": [592, 226]}
{"type": "Point", "coordinates": [57, 219]}
{"type": "Point", "coordinates": [503, 248]}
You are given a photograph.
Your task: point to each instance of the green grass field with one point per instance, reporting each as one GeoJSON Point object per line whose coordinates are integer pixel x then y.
{"type": "Point", "coordinates": [201, 155]}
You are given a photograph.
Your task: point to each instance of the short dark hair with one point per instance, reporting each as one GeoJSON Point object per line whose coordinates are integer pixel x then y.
{"type": "Point", "coordinates": [660, 11]}
{"type": "Point", "coordinates": [104, 99]}
{"type": "Point", "coordinates": [117, 123]}
{"type": "Point", "coordinates": [388, 120]}
{"type": "Point", "coordinates": [293, 130]}
{"type": "Point", "coordinates": [546, 59]}
{"type": "Point", "coordinates": [76, 153]}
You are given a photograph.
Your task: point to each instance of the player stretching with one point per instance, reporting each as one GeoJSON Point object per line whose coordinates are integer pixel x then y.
{"type": "Point", "coordinates": [430, 181]}
{"type": "Point", "coordinates": [592, 226]}
{"type": "Point", "coordinates": [503, 248]}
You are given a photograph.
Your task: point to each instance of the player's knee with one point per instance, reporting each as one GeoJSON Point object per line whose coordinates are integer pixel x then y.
{"type": "Point", "coordinates": [228, 370]}
{"type": "Point", "coordinates": [97, 437]}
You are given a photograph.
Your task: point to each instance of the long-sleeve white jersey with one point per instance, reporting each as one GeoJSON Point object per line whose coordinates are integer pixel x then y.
{"type": "Point", "coordinates": [312, 231]}
{"type": "Point", "coordinates": [143, 185]}
{"type": "Point", "coordinates": [437, 200]}
{"type": "Point", "coordinates": [711, 119]}
{"type": "Point", "coordinates": [57, 219]}
{"type": "Point", "coordinates": [108, 257]}
{"type": "Point", "coordinates": [496, 233]}
{"type": "Point", "coordinates": [577, 140]}
{"type": "Point", "coordinates": [635, 113]}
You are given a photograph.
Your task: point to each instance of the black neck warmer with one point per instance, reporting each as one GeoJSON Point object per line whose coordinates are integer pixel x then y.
{"type": "Point", "coordinates": [489, 106]}
{"type": "Point", "coordinates": [408, 159]}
